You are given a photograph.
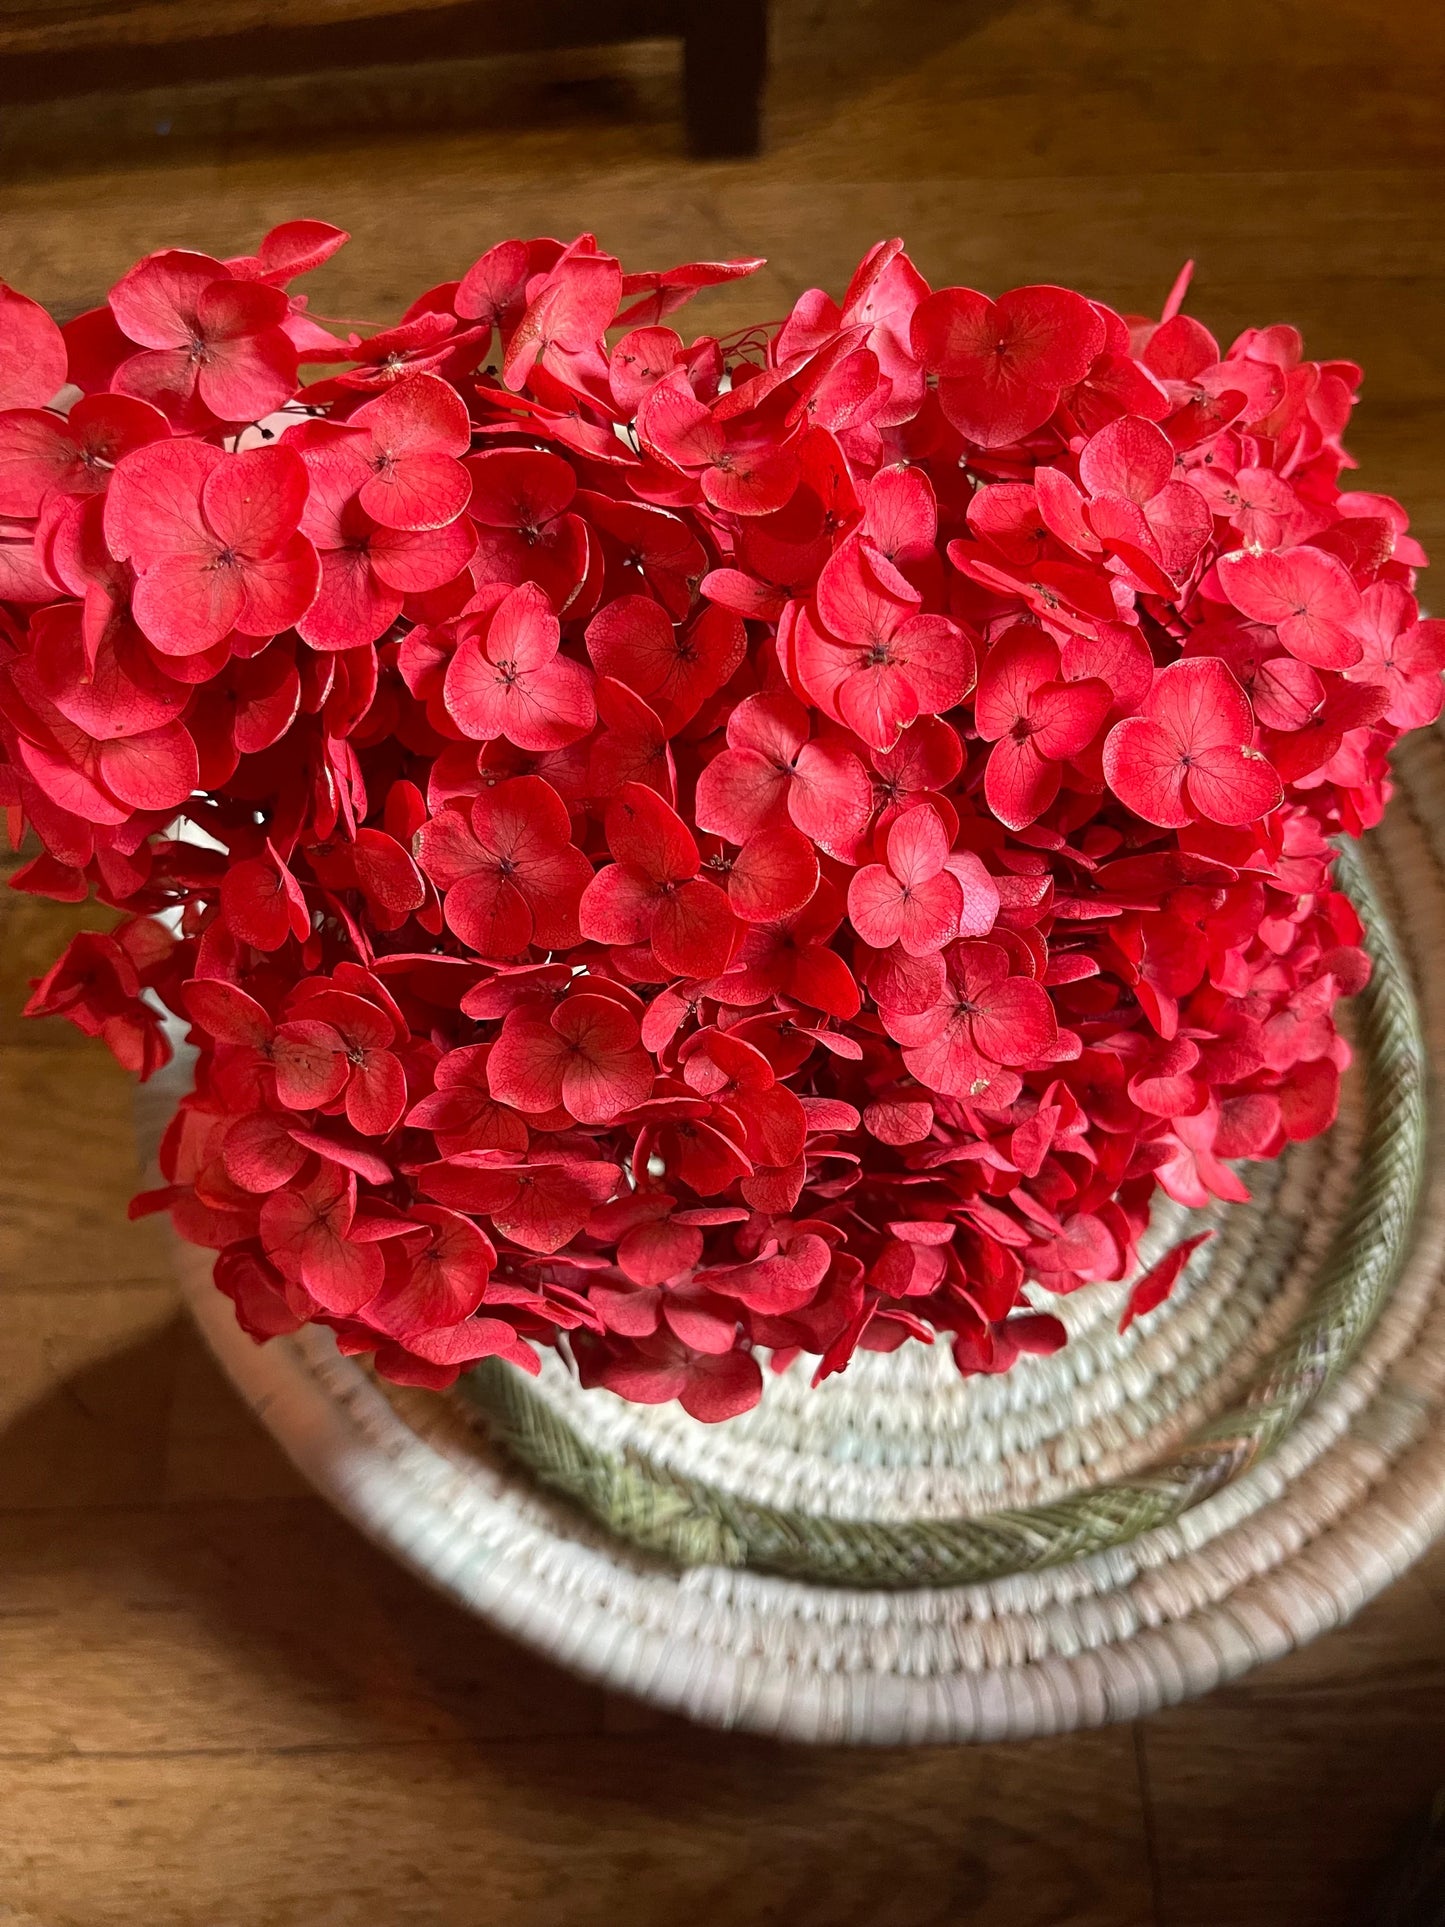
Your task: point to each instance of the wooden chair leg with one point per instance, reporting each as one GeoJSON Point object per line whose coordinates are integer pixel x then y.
{"type": "Point", "coordinates": [725, 62]}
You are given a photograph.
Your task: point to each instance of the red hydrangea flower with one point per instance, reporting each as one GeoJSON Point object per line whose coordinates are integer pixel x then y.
{"type": "Point", "coordinates": [204, 337]}
{"type": "Point", "coordinates": [509, 680]}
{"type": "Point", "coordinates": [402, 450]}
{"type": "Point", "coordinates": [707, 1386]}
{"type": "Point", "coordinates": [437, 1271]}
{"type": "Point", "coordinates": [1001, 365]}
{"type": "Point", "coordinates": [214, 540]}
{"type": "Point", "coordinates": [652, 892]}
{"type": "Point", "coordinates": [291, 249]}
{"type": "Point", "coordinates": [737, 1076]}
{"type": "Point", "coordinates": [771, 774]}
{"type": "Point", "coordinates": [99, 984]}
{"type": "Point", "coordinates": [568, 310]}
{"type": "Point", "coordinates": [262, 902]}
{"type": "Point", "coordinates": [791, 958]}
{"type": "Point", "coordinates": [872, 660]}
{"type": "Point", "coordinates": [311, 1234]}
{"type": "Point", "coordinates": [1307, 596]}
{"type": "Point", "coordinates": [986, 1019]}
{"type": "Point", "coordinates": [41, 452]}
{"type": "Point", "coordinates": [538, 1206]}
{"type": "Point", "coordinates": [509, 869]}
{"type": "Point", "coordinates": [681, 849]}
{"type": "Point", "coordinates": [367, 571]}
{"type": "Point", "coordinates": [1036, 721]}
{"type": "Point", "coordinates": [734, 452]}
{"type": "Point", "coordinates": [33, 360]}
{"type": "Point", "coordinates": [1401, 654]}
{"type": "Point", "coordinates": [521, 502]}
{"type": "Point", "coordinates": [587, 1057]}
{"type": "Point", "coordinates": [1137, 509]}
{"type": "Point", "coordinates": [912, 899]}
{"type": "Point", "coordinates": [1188, 754]}
{"type": "Point", "coordinates": [346, 1042]}
{"type": "Point", "coordinates": [674, 669]}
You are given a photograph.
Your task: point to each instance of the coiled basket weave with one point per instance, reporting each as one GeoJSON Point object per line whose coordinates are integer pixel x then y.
{"type": "Point", "coordinates": [907, 1556]}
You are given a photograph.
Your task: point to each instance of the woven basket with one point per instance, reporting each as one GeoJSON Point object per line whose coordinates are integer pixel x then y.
{"type": "Point", "coordinates": [904, 1555]}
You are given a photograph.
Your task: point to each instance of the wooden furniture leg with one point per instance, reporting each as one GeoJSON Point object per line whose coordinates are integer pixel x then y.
{"type": "Point", "coordinates": [725, 61]}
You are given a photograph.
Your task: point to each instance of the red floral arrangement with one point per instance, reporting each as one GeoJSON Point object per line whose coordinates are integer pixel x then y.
{"type": "Point", "coordinates": [680, 848]}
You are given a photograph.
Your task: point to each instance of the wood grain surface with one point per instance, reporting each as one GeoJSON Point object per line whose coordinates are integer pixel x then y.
{"type": "Point", "coordinates": [218, 1706]}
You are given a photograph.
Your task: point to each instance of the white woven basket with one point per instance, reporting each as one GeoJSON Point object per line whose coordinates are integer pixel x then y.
{"type": "Point", "coordinates": [1289, 1549]}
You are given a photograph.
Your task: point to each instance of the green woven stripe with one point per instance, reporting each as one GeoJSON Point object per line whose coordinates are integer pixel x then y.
{"type": "Point", "coordinates": [692, 1523]}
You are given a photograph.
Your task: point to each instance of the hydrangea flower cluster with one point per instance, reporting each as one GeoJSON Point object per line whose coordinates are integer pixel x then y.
{"type": "Point", "coordinates": [684, 848]}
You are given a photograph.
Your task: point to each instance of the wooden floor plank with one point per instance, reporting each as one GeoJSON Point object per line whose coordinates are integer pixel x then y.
{"type": "Point", "coordinates": [234, 1629]}
{"type": "Point", "coordinates": [68, 1173]}
{"type": "Point", "coordinates": [735, 1833]}
{"type": "Point", "coordinates": [217, 1451]}
{"type": "Point", "coordinates": [85, 1388]}
{"type": "Point", "coordinates": [1278, 1800]}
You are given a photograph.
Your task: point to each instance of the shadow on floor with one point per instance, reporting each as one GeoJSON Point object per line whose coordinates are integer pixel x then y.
{"type": "Point", "coordinates": [600, 105]}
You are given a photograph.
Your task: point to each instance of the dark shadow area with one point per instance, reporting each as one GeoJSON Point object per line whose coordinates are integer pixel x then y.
{"type": "Point", "coordinates": [98, 1439]}
{"type": "Point", "coordinates": [281, 1581]}
{"type": "Point", "coordinates": [611, 99]}
{"type": "Point", "coordinates": [603, 98]}
{"type": "Point", "coordinates": [1412, 1893]}
{"type": "Point", "coordinates": [235, 1628]}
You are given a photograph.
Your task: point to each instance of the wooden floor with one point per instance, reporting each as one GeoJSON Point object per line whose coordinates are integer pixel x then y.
{"type": "Point", "coordinates": [218, 1708]}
